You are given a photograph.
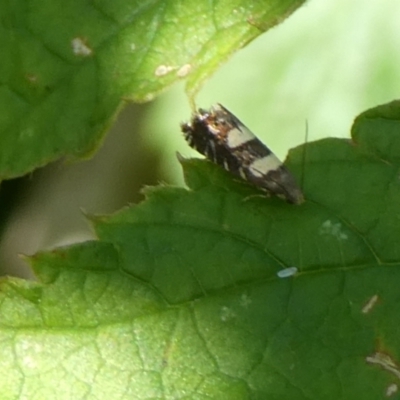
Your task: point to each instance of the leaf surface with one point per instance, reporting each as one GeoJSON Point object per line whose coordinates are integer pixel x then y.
{"type": "Point", "coordinates": [180, 297]}
{"type": "Point", "coordinates": [68, 66]}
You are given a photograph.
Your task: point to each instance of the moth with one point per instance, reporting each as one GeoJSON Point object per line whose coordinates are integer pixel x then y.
{"type": "Point", "coordinates": [224, 140]}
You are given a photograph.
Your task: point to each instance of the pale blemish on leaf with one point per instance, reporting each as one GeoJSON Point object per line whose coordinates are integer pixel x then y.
{"type": "Point", "coordinates": [149, 97]}
{"type": "Point", "coordinates": [162, 70]}
{"type": "Point", "coordinates": [32, 78]}
{"type": "Point", "coordinates": [227, 314]}
{"type": "Point", "coordinates": [80, 47]}
{"type": "Point", "coordinates": [392, 389]}
{"type": "Point", "coordinates": [285, 273]}
{"type": "Point", "coordinates": [333, 229]}
{"type": "Point", "coordinates": [245, 300]}
{"type": "Point", "coordinates": [370, 304]}
{"type": "Point", "coordinates": [184, 70]}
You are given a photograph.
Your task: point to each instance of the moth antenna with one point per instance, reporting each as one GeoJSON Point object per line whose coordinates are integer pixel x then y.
{"type": "Point", "coordinates": [192, 104]}
{"type": "Point", "coordinates": [303, 158]}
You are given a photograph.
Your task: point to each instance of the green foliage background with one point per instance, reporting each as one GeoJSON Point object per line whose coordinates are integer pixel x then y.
{"type": "Point", "coordinates": [179, 298]}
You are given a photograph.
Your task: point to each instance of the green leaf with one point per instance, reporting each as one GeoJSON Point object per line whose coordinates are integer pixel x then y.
{"type": "Point", "coordinates": [67, 67]}
{"type": "Point", "coordinates": [181, 298]}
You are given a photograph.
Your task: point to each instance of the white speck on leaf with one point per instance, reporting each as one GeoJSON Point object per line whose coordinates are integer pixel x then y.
{"type": "Point", "coordinates": [32, 78]}
{"type": "Point", "coordinates": [333, 229]}
{"type": "Point", "coordinates": [391, 389]}
{"type": "Point", "coordinates": [162, 70]}
{"type": "Point", "coordinates": [184, 70]}
{"type": "Point", "coordinates": [227, 314]}
{"type": "Point", "coordinates": [245, 300]}
{"type": "Point", "coordinates": [133, 46]}
{"type": "Point", "coordinates": [148, 97]}
{"type": "Point", "coordinates": [80, 47]}
{"type": "Point", "coordinates": [285, 273]}
{"type": "Point", "coordinates": [370, 304]}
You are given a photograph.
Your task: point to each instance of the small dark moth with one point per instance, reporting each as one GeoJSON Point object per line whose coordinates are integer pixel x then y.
{"type": "Point", "coordinates": [223, 139]}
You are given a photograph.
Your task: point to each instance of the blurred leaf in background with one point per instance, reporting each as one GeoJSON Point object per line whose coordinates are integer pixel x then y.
{"type": "Point", "coordinates": [325, 64]}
